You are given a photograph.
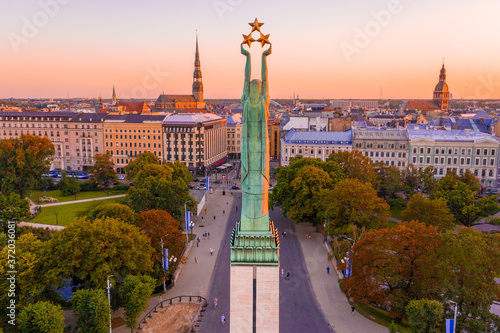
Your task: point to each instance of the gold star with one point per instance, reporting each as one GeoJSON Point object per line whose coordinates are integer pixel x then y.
{"type": "Point", "coordinates": [247, 39]}
{"type": "Point", "coordinates": [255, 25]}
{"type": "Point", "coordinates": [264, 39]}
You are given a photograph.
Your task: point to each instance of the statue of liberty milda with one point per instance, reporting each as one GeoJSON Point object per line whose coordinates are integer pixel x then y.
{"type": "Point", "coordinates": [255, 141]}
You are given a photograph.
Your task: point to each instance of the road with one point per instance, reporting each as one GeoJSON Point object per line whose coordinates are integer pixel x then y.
{"type": "Point", "coordinates": [299, 310]}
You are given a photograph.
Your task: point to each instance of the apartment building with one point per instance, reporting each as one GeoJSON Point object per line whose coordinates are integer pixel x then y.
{"type": "Point", "coordinates": [233, 135]}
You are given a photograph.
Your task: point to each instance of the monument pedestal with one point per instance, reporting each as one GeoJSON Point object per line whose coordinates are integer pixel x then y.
{"type": "Point", "coordinates": [254, 284]}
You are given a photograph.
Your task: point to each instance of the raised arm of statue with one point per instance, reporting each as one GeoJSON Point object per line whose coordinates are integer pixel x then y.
{"type": "Point", "coordinates": [265, 87]}
{"type": "Point", "coordinates": [248, 70]}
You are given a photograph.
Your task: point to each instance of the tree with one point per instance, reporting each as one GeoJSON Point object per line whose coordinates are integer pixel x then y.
{"type": "Point", "coordinates": [310, 184]}
{"type": "Point", "coordinates": [474, 259]}
{"type": "Point", "coordinates": [135, 292]}
{"type": "Point", "coordinates": [114, 210]}
{"type": "Point", "coordinates": [137, 164]}
{"type": "Point", "coordinates": [429, 211]}
{"type": "Point", "coordinates": [103, 171]}
{"type": "Point", "coordinates": [411, 180]}
{"type": "Point", "coordinates": [181, 172]}
{"type": "Point", "coordinates": [159, 224]}
{"type": "Point", "coordinates": [283, 193]}
{"type": "Point", "coordinates": [91, 308]}
{"type": "Point", "coordinates": [87, 252]}
{"type": "Point", "coordinates": [355, 166]}
{"type": "Point", "coordinates": [390, 267]}
{"type": "Point", "coordinates": [470, 180]}
{"type": "Point", "coordinates": [353, 202]}
{"type": "Point", "coordinates": [161, 193]}
{"type": "Point", "coordinates": [461, 200]}
{"type": "Point", "coordinates": [42, 317]}
{"type": "Point", "coordinates": [22, 163]}
{"type": "Point", "coordinates": [13, 207]}
{"type": "Point", "coordinates": [153, 171]}
{"type": "Point", "coordinates": [68, 186]}
{"type": "Point", "coordinates": [389, 180]}
{"type": "Point", "coordinates": [425, 315]}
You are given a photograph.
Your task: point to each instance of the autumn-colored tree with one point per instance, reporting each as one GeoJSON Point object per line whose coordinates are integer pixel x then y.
{"type": "Point", "coordinates": [13, 208]}
{"type": "Point", "coordinates": [470, 180]}
{"type": "Point", "coordinates": [310, 184]}
{"type": "Point", "coordinates": [139, 161]}
{"type": "Point", "coordinates": [425, 315]}
{"type": "Point", "coordinates": [22, 162]}
{"type": "Point", "coordinates": [356, 166]}
{"type": "Point", "coordinates": [115, 210]}
{"type": "Point", "coordinates": [283, 193]}
{"type": "Point", "coordinates": [87, 252]}
{"type": "Point", "coordinates": [461, 200]}
{"type": "Point", "coordinates": [468, 263]}
{"type": "Point", "coordinates": [103, 171]}
{"type": "Point", "coordinates": [354, 202]}
{"type": "Point", "coordinates": [135, 292]}
{"type": "Point", "coordinates": [392, 266]}
{"type": "Point", "coordinates": [389, 180]}
{"type": "Point", "coordinates": [429, 211]}
{"type": "Point", "coordinates": [41, 317]}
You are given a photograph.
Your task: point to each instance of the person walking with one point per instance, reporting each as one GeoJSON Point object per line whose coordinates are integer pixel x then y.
{"type": "Point", "coordinates": [214, 217]}
{"type": "Point", "coordinates": [202, 219]}
{"type": "Point", "coordinates": [327, 269]}
{"type": "Point", "coordinates": [208, 234]}
{"type": "Point", "coordinates": [282, 272]}
{"type": "Point", "coordinates": [287, 277]}
{"type": "Point", "coordinates": [215, 302]}
{"type": "Point", "coordinates": [223, 319]}
{"type": "Point", "coordinates": [198, 242]}
{"type": "Point", "coordinates": [195, 260]}
{"type": "Point", "coordinates": [223, 212]}
{"type": "Point", "coordinates": [352, 310]}
{"type": "Point", "coordinates": [211, 251]}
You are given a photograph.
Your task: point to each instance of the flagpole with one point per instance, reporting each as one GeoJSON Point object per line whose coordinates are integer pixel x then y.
{"type": "Point", "coordinates": [186, 221]}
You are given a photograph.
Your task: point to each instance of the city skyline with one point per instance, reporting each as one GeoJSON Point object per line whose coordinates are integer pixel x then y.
{"type": "Point", "coordinates": [320, 50]}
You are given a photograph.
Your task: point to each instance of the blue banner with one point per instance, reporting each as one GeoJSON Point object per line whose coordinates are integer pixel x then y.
{"type": "Point", "coordinates": [348, 268]}
{"type": "Point", "coordinates": [165, 259]}
{"type": "Point", "coordinates": [208, 183]}
{"type": "Point", "coordinates": [188, 220]}
{"type": "Point", "coordinates": [450, 325]}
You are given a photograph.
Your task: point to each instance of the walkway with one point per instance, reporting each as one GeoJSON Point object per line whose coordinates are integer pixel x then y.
{"type": "Point", "coordinates": [39, 225]}
{"type": "Point", "coordinates": [326, 288]}
{"type": "Point", "coordinates": [83, 200]}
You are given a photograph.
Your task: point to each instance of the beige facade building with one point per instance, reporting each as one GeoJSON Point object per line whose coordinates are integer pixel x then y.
{"type": "Point", "coordinates": [196, 139]}
{"type": "Point", "coordinates": [234, 127]}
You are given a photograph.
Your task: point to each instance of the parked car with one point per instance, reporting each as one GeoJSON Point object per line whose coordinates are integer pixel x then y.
{"type": "Point", "coordinates": [201, 187]}
{"type": "Point", "coordinates": [190, 186]}
{"type": "Point", "coordinates": [197, 180]}
{"type": "Point", "coordinates": [217, 181]}
{"type": "Point", "coordinates": [234, 187]}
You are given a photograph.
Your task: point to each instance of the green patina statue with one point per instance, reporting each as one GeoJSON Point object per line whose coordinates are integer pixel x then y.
{"type": "Point", "coordinates": [255, 149]}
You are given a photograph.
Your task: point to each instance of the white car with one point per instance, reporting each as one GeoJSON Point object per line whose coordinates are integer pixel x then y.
{"type": "Point", "coordinates": [202, 187]}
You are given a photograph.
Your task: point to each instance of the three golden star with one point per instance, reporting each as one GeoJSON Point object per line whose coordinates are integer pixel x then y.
{"type": "Point", "coordinates": [247, 39]}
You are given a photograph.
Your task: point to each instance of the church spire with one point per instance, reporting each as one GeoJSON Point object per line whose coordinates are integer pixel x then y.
{"type": "Point", "coordinates": [197, 82]}
{"type": "Point", "coordinates": [115, 100]}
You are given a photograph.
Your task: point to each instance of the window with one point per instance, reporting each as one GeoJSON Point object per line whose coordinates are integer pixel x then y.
{"type": "Point", "coordinates": [490, 174]}
{"type": "Point", "coordinates": [436, 160]}
{"type": "Point", "coordinates": [455, 160]}
{"type": "Point", "coordinates": [414, 150]}
{"type": "Point", "coordinates": [421, 150]}
{"type": "Point", "coordinates": [485, 152]}
{"type": "Point", "coordinates": [468, 161]}
{"type": "Point", "coordinates": [428, 150]}
{"type": "Point", "coordinates": [478, 151]}
{"type": "Point", "coordinates": [493, 152]}
{"type": "Point", "coordinates": [428, 160]}
{"type": "Point", "coordinates": [492, 161]}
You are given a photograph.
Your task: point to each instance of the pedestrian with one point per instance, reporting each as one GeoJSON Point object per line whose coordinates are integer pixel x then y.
{"type": "Point", "coordinates": [214, 217]}
{"type": "Point", "coordinates": [211, 251]}
{"type": "Point", "coordinates": [202, 219]}
{"type": "Point", "coordinates": [282, 272]}
{"type": "Point", "coordinates": [203, 236]}
{"type": "Point", "coordinates": [352, 309]}
{"type": "Point", "coordinates": [223, 319]}
{"type": "Point", "coordinates": [198, 242]}
{"type": "Point", "coordinates": [208, 234]}
{"type": "Point", "coordinates": [285, 233]}
{"type": "Point", "coordinates": [282, 234]}
{"type": "Point", "coordinates": [223, 212]}
{"type": "Point", "coordinates": [205, 211]}
{"type": "Point", "coordinates": [327, 269]}
{"type": "Point", "coordinates": [287, 277]}
{"type": "Point", "coordinates": [195, 260]}
{"type": "Point", "coordinates": [236, 208]}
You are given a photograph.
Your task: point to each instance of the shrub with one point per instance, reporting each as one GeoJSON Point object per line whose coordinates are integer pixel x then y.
{"type": "Point", "coordinates": [87, 186]}
{"type": "Point", "coordinates": [121, 187]}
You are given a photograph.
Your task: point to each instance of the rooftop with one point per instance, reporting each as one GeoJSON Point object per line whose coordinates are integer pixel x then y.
{"type": "Point", "coordinates": [314, 137]}
{"type": "Point", "coordinates": [190, 118]}
{"type": "Point", "coordinates": [449, 135]}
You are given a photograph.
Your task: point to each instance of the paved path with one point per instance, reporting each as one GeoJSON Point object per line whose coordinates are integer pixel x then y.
{"type": "Point", "coordinates": [39, 225]}
{"type": "Point", "coordinates": [326, 287]}
{"type": "Point", "coordinates": [83, 200]}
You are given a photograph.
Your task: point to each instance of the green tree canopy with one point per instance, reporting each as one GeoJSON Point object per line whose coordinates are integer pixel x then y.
{"type": "Point", "coordinates": [135, 292]}
{"type": "Point", "coordinates": [91, 308]}
{"type": "Point", "coordinates": [139, 161]}
{"type": "Point", "coordinates": [389, 180]}
{"type": "Point", "coordinates": [42, 317]}
{"type": "Point", "coordinates": [150, 171]}
{"type": "Point", "coordinates": [13, 207]}
{"type": "Point", "coordinates": [68, 186]}
{"type": "Point", "coordinates": [474, 260]}
{"type": "Point", "coordinates": [354, 202]}
{"type": "Point", "coordinates": [392, 266]}
{"type": "Point", "coordinates": [181, 172]}
{"type": "Point", "coordinates": [87, 252]}
{"type": "Point", "coordinates": [283, 193]}
{"type": "Point", "coordinates": [355, 166]}
{"type": "Point", "coordinates": [425, 315]}
{"type": "Point", "coordinates": [114, 210]}
{"type": "Point", "coordinates": [429, 211]}
{"type": "Point", "coordinates": [103, 171]}
{"type": "Point", "coordinates": [22, 162]}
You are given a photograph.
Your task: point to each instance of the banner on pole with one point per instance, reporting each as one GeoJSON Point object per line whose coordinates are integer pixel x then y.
{"type": "Point", "coordinates": [188, 220]}
{"type": "Point", "coordinates": [165, 259]}
{"type": "Point", "coordinates": [208, 183]}
{"type": "Point", "coordinates": [450, 325]}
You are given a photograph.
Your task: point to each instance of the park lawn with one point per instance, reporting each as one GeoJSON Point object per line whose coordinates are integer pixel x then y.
{"type": "Point", "coordinates": [80, 196]}
{"type": "Point", "coordinates": [396, 212]}
{"type": "Point", "coordinates": [66, 213]}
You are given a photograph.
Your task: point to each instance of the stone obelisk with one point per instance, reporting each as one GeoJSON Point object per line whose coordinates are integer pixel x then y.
{"type": "Point", "coordinates": [254, 242]}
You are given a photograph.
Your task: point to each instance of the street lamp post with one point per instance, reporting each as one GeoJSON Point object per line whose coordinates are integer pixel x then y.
{"type": "Point", "coordinates": [57, 220]}
{"type": "Point", "coordinates": [454, 316]}
{"type": "Point", "coordinates": [191, 225]}
{"type": "Point", "coordinates": [109, 301]}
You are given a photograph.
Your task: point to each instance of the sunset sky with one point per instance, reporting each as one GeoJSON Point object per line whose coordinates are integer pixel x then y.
{"type": "Point", "coordinates": [82, 48]}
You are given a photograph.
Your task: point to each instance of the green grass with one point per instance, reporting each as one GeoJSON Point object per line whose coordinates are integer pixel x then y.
{"type": "Point", "coordinates": [66, 213]}
{"type": "Point", "coordinates": [396, 212]}
{"type": "Point", "coordinates": [80, 196]}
